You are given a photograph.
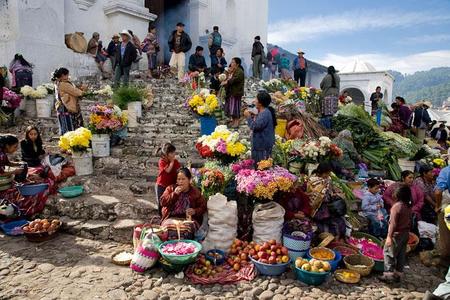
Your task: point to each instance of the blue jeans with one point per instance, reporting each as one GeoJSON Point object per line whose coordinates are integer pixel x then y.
{"type": "Point", "coordinates": [122, 71]}
{"type": "Point", "coordinates": [378, 228]}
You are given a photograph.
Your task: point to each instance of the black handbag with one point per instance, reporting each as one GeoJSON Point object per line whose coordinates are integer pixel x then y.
{"type": "Point", "coordinates": [337, 206]}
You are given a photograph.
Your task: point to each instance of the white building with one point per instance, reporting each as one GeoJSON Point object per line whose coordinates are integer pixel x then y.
{"type": "Point", "coordinates": [360, 79]}
{"type": "Point", "coordinates": [37, 28]}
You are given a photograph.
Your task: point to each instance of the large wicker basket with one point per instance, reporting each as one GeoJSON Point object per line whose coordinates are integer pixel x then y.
{"type": "Point", "coordinates": [359, 263]}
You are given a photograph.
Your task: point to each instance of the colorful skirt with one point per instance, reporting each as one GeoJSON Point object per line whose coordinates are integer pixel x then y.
{"type": "Point", "coordinates": [233, 106]}
{"type": "Point", "coordinates": [68, 121]}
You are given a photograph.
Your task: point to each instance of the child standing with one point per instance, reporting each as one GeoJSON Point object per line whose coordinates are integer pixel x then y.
{"type": "Point", "coordinates": [168, 167]}
{"type": "Point", "coordinates": [398, 234]}
{"type": "Point", "coordinates": [373, 209]}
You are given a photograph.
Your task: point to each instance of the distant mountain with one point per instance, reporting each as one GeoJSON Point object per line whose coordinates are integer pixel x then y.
{"type": "Point", "coordinates": [433, 85]}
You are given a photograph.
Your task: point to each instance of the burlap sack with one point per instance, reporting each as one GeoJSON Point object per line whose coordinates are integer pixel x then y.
{"type": "Point", "coordinates": [76, 42]}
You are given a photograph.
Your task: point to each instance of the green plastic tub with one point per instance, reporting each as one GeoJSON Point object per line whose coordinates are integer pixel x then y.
{"type": "Point", "coordinates": [180, 259]}
{"type": "Point", "coordinates": [71, 191]}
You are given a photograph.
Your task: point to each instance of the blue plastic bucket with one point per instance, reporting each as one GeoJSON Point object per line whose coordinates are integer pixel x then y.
{"type": "Point", "coordinates": [207, 125]}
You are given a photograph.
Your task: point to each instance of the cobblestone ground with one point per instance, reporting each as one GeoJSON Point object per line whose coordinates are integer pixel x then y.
{"type": "Point", "coordinates": [69, 267]}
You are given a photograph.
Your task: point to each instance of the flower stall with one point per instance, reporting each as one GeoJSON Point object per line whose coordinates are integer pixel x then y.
{"type": "Point", "coordinates": [130, 98]}
{"type": "Point", "coordinates": [204, 105]}
{"type": "Point", "coordinates": [222, 145]}
{"type": "Point", "coordinates": [104, 120]}
{"type": "Point", "coordinates": [11, 101]}
{"type": "Point", "coordinates": [77, 143]}
{"type": "Point", "coordinates": [36, 101]}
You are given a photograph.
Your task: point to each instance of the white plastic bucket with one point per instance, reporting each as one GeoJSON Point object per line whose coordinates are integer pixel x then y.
{"type": "Point", "coordinates": [406, 165]}
{"type": "Point", "coordinates": [132, 118]}
{"type": "Point", "coordinates": [137, 107]}
{"type": "Point", "coordinates": [83, 163]}
{"type": "Point", "coordinates": [44, 108]}
{"type": "Point", "coordinates": [30, 107]}
{"type": "Point", "coordinates": [100, 145]}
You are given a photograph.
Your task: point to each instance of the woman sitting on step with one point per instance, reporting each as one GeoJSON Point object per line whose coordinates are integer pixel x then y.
{"type": "Point", "coordinates": [182, 206]}
{"type": "Point", "coordinates": [32, 149]}
{"type": "Point", "coordinates": [67, 101]}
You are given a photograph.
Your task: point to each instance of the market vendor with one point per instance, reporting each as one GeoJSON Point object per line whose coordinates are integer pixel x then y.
{"type": "Point", "coordinates": [263, 127]}
{"type": "Point", "coordinates": [416, 191]}
{"type": "Point", "coordinates": [28, 205]}
{"type": "Point", "coordinates": [426, 183]}
{"type": "Point", "coordinates": [442, 201]}
{"type": "Point", "coordinates": [295, 204]}
{"type": "Point", "coordinates": [182, 200]}
{"type": "Point", "coordinates": [322, 193]}
{"type": "Point", "coordinates": [32, 148]}
{"type": "Point", "coordinates": [350, 157]}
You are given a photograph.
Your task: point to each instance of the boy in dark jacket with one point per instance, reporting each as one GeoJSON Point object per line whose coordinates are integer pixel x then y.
{"type": "Point", "coordinates": [197, 61]}
{"type": "Point", "coordinates": [257, 57]}
{"type": "Point", "coordinates": [126, 54]}
{"type": "Point", "coordinates": [179, 44]}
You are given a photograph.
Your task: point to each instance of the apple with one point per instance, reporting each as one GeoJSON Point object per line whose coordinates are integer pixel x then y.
{"type": "Point", "coordinates": [255, 257]}
{"type": "Point", "coordinates": [278, 260]}
{"type": "Point", "coordinates": [264, 261]}
{"type": "Point", "coordinates": [243, 256]}
{"type": "Point", "coordinates": [273, 248]}
{"type": "Point", "coordinates": [265, 255]}
{"type": "Point", "coordinates": [285, 258]}
{"type": "Point", "coordinates": [278, 251]}
{"type": "Point", "coordinates": [284, 251]}
{"type": "Point", "coordinates": [272, 260]}
{"type": "Point", "coordinates": [257, 247]}
{"type": "Point", "coordinates": [236, 267]}
{"type": "Point", "coordinates": [273, 253]}
{"type": "Point", "coordinates": [233, 251]}
{"type": "Point", "coordinates": [237, 260]}
{"type": "Point", "coordinates": [268, 251]}
{"type": "Point", "coordinates": [252, 252]}
{"type": "Point", "coordinates": [272, 242]}
{"type": "Point", "coordinates": [238, 242]}
{"type": "Point", "coordinates": [261, 254]}
{"type": "Point", "coordinates": [239, 248]}
{"type": "Point", "coordinates": [266, 245]}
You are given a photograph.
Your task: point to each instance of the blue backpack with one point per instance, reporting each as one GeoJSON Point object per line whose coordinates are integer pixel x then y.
{"type": "Point", "coordinates": [217, 39]}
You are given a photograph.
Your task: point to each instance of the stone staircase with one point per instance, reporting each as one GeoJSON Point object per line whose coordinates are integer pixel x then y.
{"type": "Point", "coordinates": [120, 193]}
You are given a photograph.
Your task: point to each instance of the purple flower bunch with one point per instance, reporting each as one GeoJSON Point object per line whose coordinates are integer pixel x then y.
{"type": "Point", "coordinates": [12, 99]}
{"type": "Point", "coordinates": [242, 165]}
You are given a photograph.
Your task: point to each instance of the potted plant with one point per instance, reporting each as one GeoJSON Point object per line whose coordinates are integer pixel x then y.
{"type": "Point", "coordinates": [130, 97]}
{"type": "Point", "coordinates": [36, 103]}
{"type": "Point", "coordinates": [104, 120]}
{"type": "Point", "coordinates": [204, 105]}
{"type": "Point", "coordinates": [77, 143]}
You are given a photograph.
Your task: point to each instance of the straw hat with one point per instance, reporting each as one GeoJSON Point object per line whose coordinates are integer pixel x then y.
{"type": "Point", "coordinates": [427, 104]}
{"type": "Point", "coordinates": [125, 32]}
{"type": "Point", "coordinates": [300, 51]}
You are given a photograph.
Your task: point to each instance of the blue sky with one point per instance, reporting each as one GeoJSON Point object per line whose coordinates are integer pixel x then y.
{"type": "Point", "coordinates": [404, 35]}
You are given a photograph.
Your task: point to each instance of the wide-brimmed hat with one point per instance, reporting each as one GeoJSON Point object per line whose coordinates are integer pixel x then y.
{"type": "Point", "coordinates": [427, 104]}
{"type": "Point", "coordinates": [125, 32]}
{"type": "Point", "coordinates": [300, 51]}
{"type": "Point", "coordinates": [115, 35]}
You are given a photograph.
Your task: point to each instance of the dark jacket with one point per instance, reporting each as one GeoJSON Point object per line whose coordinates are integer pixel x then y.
{"type": "Point", "coordinates": [235, 85]}
{"type": "Point", "coordinates": [215, 61]}
{"type": "Point", "coordinates": [444, 134]}
{"type": "Point", "coordinates": [31, 155]}
{"type": "Point", "coordinates": [186, 43]}
{"type": "Point", "coordinates": [258, 49]}
{"type": "Point", "coordinates": [421, 115]}
{"type": "Point", "coordinates": [197, 62]}
{"type": "Point", "coordinates": [129, 56]}
{"type": "Point", "coordinates": [111, 50]}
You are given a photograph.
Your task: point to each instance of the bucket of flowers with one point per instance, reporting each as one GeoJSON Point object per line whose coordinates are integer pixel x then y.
{"type": "Point", "coordinates": [36, 101]}
{"type": "Point", "coordinates": [204, 105]}
{"type": "Point", "coordinates": [222, 145]}
{"type": "Point", "coordinates": [77, 142]}
{"type": "Point", "coordinates": [264, 183]}
{"type": "Point", "coordinates": [314, 151]}
{"type": "Point", "coordinates": [104, 120]}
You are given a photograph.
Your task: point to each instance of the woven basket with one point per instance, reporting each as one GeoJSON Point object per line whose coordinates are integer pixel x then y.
{"type": "Point", "coordinates": [339, 276]}
{"type": "Point", "coordinates": [359, 263]}
{"type": "Point", "coordinates": [120, 263]}
{"type": "Point", "coordinates": [296, 243]}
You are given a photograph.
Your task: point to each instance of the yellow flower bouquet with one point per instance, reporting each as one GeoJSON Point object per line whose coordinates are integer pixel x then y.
{"type": "Point", "coordinates": [76, 141]}
{"type": "Point", "coordinates": [203, 103]}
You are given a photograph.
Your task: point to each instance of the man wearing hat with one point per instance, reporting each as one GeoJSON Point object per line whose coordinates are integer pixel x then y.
{"type": "Point", "coordinates": [257, 57]}
{"type": "Point", "coordinates": [126, 54]}
{"type": "Point", "coordinates": [421, 119]}
{"type": "Point", "coordinates": [179, 44]}
{"type": "Point", "coordinates": [111, 50]}
{"type": "Point", "coordinates": [300, 67]}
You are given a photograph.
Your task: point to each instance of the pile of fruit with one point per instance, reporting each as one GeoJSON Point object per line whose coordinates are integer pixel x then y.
{"type": "Point", "coordinates": [41, 226]}
{"type": "Point", "coordinates": [347, 275]}
{"type": "Point", "coordinates": [239, 254]}
{"type": "Point", "coordinates": [205, 268]}
{"type": "Point", "coordinates": [313, 265]}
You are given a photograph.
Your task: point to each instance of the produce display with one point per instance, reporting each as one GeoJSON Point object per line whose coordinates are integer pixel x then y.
{"type": "Point", "coordinates": [269, 252]}
{"type": "Point", "coordinates": [321, 253]}
{"type": "Point", "coordinates": [41, 226]}
{"type": "Point", "coordinates": [179, 248]}
{"type": "Point", "coordinates": [205, 268]}
{"type": "Point", "coordinates": [367, 248]}
{"type": "Point", "coordinates": [313, 265]}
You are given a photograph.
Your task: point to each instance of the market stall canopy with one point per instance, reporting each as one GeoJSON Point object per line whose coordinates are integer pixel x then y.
{"type": "Point", "coordinates": [439, 115]}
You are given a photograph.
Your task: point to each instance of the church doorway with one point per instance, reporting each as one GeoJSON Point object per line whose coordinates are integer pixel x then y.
{"type": "Point", "coordinates": [356, 95]}
{"type": "Point", "coordinates": [169, 13]}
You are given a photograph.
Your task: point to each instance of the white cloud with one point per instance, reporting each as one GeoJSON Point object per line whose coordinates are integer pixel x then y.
{"type": "Point", "coordinates": [425, 39]}
{"type": "Point", "coordinates": [303, 29]}
{"type": "Point", "coordinates": [405, 64]}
